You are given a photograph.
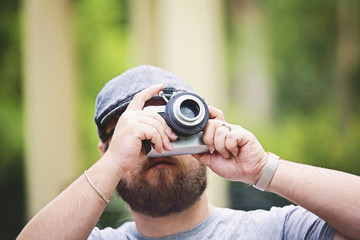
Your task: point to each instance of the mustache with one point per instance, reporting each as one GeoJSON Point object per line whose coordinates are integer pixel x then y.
{"type": "Point", "coordinates": [149, 162]}
{"type": "Point", "coordinates": [172, 160]}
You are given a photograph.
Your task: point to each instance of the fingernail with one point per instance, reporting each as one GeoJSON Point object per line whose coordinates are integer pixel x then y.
{"type": "Point", "coordinates": [169, 146]}
{"type": "Point", "coordinates": [161, 151]}
{"type": "Point", "coordinates": [211, 150]}
{"type": "Point", "coordinates": [173, 135]}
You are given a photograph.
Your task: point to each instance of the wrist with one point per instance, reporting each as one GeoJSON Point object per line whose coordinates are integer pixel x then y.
{"type": "Point", "coordinates": [108, 161]}
{"type": "Point", "coordinates": [268, 172]}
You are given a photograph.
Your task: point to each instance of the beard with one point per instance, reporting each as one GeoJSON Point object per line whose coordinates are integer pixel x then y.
{"type": "Point", "coordinates": [170, 194]}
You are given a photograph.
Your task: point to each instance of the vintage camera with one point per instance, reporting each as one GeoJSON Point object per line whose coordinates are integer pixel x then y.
{"type": "Point", "coordinates": [187, 115]}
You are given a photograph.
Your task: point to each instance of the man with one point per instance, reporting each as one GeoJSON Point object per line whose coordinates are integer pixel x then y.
{"type": "Point", "coordinates": [167, 196]}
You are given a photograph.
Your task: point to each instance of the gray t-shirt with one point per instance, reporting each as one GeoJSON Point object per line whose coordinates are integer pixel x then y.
{"type": "Point", "coordinates": [290, 222]}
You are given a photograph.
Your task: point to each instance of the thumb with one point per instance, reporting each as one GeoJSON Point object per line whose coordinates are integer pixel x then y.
{"type": "Point", "coordinates": [140, 98]}
{"type": "Point", "coordinates": [204, 158]}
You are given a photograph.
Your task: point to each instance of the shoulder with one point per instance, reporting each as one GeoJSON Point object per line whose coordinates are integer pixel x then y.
{"type": "Point", "coordinates": [289, 222]}
{"type": "Point", "coordinates": [264, 215]}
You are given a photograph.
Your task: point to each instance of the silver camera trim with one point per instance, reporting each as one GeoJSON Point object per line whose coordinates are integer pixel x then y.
{"type": "Point", "coordinates": [181, 117]}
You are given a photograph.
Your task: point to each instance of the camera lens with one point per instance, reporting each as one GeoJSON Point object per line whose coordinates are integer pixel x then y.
{"type": "Point", "coordinates": [189, 108]}
{"type": "Point", "coordinates": [186, 114]}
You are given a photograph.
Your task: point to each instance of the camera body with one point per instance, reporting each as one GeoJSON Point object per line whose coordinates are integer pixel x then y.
{"type": "Point", "coordinates": [187, 115]}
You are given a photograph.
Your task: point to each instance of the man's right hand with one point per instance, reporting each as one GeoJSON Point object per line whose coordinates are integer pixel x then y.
{"type": "Point", "coordinates": [136, 125]}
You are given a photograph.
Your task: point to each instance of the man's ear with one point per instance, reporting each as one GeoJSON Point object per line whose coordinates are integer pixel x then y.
{"type": "Point", "coordinates": [102, 148]}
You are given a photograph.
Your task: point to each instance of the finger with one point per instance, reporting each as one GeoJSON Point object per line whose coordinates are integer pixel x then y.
{"type": "Point", "coordinates": [150, 133]}
{"type": "Point", "coordinates": [216, 113]}
{"type": "Point", "coordinates": [145, 126]}
{"type": "Point", "coordinates": [243, 136]}
{"type": "Point", "coordinates": [169, 132]}
{"type": "Point", "coordinates": [220, 140]}
{"type": "Point", "coordinates": [204, 158]}
{"type": "Point", "coordinates": [209, 133]}
{"type": "Point", "coordinates": [231, 143]}
{"type": "Point", "coordinates": [157, 122]}
{"type": "Point", "coordinates": [138, 102]}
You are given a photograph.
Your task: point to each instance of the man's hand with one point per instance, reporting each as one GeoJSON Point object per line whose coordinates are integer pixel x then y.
{"type": "Point", "coordinates": [136, 125]}
{"type": "Point", "coordinates": [235, 153]}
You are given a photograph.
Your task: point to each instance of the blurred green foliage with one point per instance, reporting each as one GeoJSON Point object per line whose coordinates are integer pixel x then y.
{"type": "Point", "coordinates": [11, 119]}
{"type": "Point", "coordinates": [308, 126]}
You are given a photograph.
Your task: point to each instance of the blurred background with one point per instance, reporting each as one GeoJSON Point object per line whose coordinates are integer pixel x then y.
{"type": "Point", "coordinates": [286, 70]}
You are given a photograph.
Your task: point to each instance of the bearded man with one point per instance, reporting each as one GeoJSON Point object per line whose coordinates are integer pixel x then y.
{"type": "Point", "coordinates": [167, 194]}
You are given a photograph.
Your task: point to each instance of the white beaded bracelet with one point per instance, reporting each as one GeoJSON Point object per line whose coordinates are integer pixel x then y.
{"type": "Point", "coordinates": [97, 191]}
{"type": "Point", "coordinates": [268, 172]}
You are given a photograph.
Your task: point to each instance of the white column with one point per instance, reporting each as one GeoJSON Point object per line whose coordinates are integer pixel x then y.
{"type": "Point", "coordinates": [50, 129]}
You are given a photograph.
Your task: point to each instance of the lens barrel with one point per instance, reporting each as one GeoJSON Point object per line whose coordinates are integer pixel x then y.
{"type": "Point", "coordinates": [186, 114]}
